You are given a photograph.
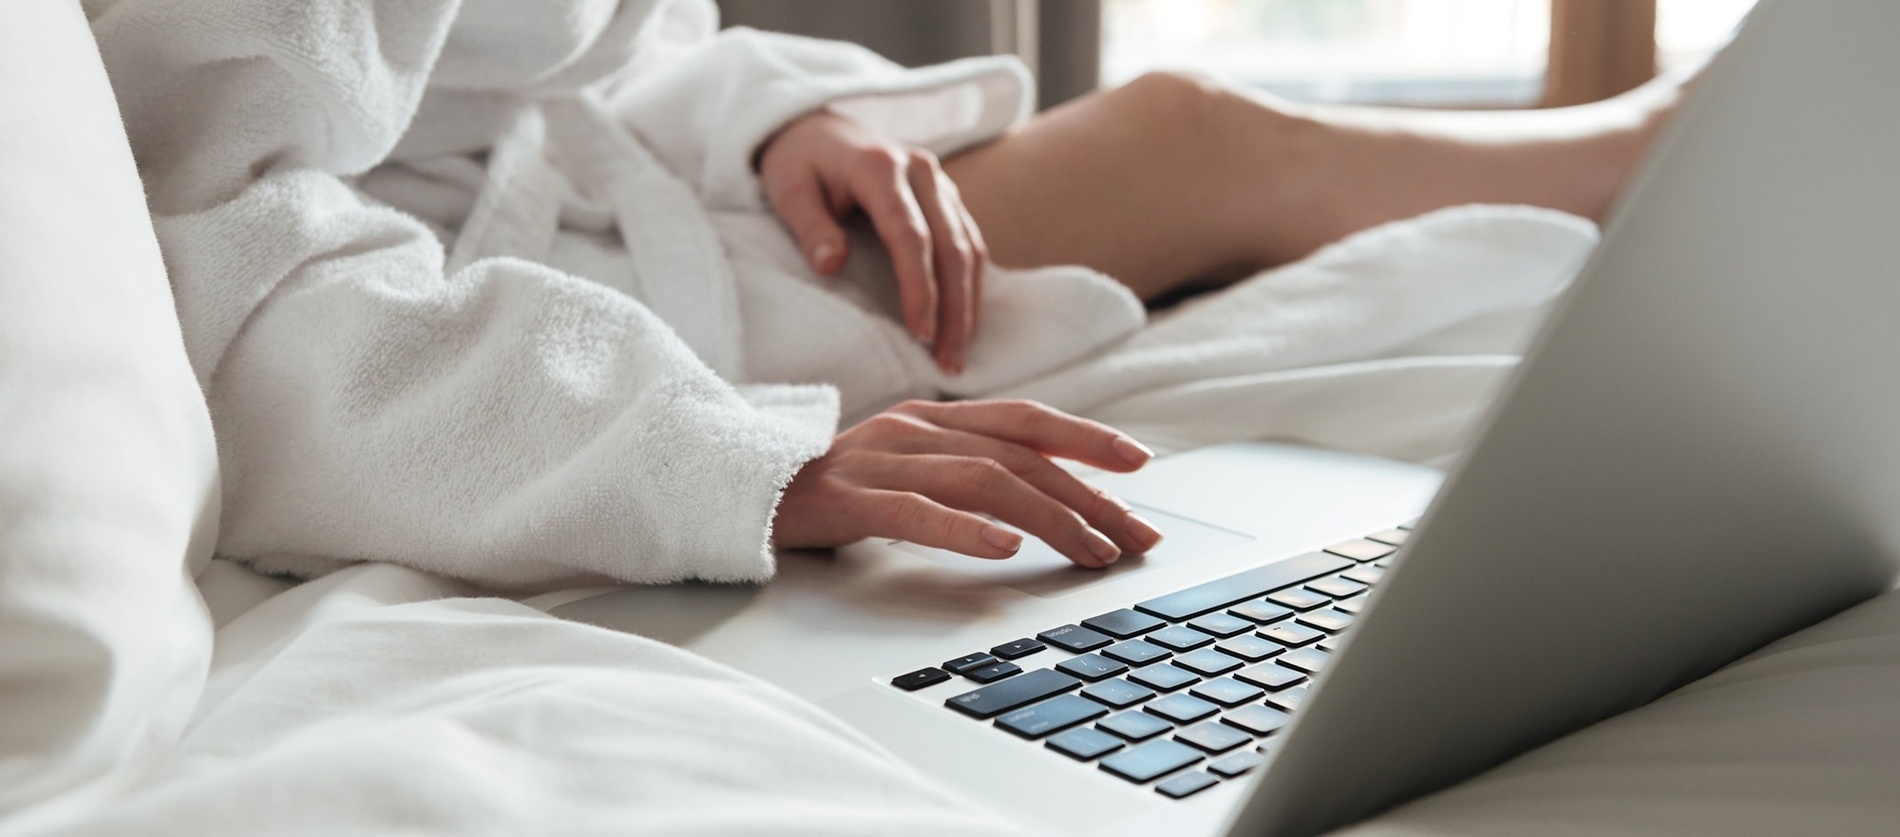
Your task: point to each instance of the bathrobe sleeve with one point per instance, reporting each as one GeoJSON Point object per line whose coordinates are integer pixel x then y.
{"type": "Point", "coordinates": [505, 423]}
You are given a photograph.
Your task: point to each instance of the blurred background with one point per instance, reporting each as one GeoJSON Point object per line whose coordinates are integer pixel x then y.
{"type": "Point", "coordinates": [1422, 53]}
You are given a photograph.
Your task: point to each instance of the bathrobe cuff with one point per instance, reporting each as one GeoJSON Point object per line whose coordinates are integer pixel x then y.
{"type": "Point", "coordinates": [707, 113]}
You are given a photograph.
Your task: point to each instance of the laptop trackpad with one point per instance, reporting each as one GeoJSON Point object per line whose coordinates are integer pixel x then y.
{"type": "Point", "coordinates": [1041, 571]}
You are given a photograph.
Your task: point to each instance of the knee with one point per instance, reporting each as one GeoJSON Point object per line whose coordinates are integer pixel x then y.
{"type": "Point", "coordinates": [1187, 101]}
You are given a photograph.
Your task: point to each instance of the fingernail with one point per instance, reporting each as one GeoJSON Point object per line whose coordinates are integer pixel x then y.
{"type": "Point", "coordinates": [1144, 533]}
{"type": "Point", "coordinates": [1003, 539]}
{"type": "Point", "coordinates": [822, 254]}
{"type": "Point", "coordinates": [1102, 548]}
{"type": "Point", "coordinates": [1135, 452]}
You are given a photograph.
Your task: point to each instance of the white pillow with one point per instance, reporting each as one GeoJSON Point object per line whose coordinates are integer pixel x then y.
{"type": "Point", "coordinates": [108, 471]}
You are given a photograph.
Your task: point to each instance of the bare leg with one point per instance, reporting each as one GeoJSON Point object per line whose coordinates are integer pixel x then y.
{"type": "Point", "coordinates": [1174, 180]}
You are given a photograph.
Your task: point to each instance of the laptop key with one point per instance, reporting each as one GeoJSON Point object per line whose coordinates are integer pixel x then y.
{"type": "Point", "coordinates": [1207, 662]}
{"type": "Point", "coordinates": [1091, 667]}
{"type": "Point", "coordinates": [1221, 624]}
{"type": "Point", "coordinates": [1124, 623]}
{"type": "Point", "coordinates": [1214, 595]}
{"type": "Point", "coordinates": [1185, 785]}
{"type": "Point", "coordinates": [1051, 715]}
{"type": "Point", "coordinates": [1134, 726]}
{"type": "Point", "coordinates": [1365, 574]}
{"type": "Point", "coordinates": [1179, 638]}
{"type": "Point", "coordinates": [1330, 645]}
{"type": "Point", "coordinates": [1270, 676]}
{"type": "Point", "coordinates": [1327, 620]}
{"type": "Point", "coordinates": [1181, 709]}
{"type": "Point", "coordinates": [1309, 660]}
{"type": "Point", "coordinates": [997, 698]}
{"type": "Point", "coordinates": [1257, 719]}
{"type": "Point", "coordinates": [1253, 649]}
{"type": "Point", "coordinates": [1117, 693]}
{"type": "Point", "coordinates": [1017, 649]}
{"type": "Point", "coordinates": [1409, 525]}
{"type": "Point", "coordinates": [994, 672]}
{"type": "Point", "coordinates": [1213, 736]}
{"type": "Point", "coordinates": [1299, 598]}
{"type": "Point", "coordinates": [1261, 611]}
{"type": "Point", "coordinates": [1395, 537]}
{"type": "Point", "coordinates": [1137, 652]}
{"type": "Point", "coordinates": [1354, 605]}
{"type": "Point", "coordinates": [1230, 766]}
{"type": "Point", "coordinates": [968, 663]}
{"type": "Point", "coordinates": [1226, 691]}
{"type": "Point", "coordinates": [1362, 550]}
{"type": "Point", "coordinates": [1084, 743]}
{"type": "Point", "coordinates": [1288, 700]}
{"type": "Point", "coordinates": [1148, 761]}
{"type": "Point", "coordinates": [1337, 587]}
{"type": "Point", "coordinates": [1164, 678]}
{"type": "Point", "coordinates": [1075, 638]}
{"type": "Point", "coordinates": [920, 678]}
{"type": "Point", "coordinates": [1287, 633]}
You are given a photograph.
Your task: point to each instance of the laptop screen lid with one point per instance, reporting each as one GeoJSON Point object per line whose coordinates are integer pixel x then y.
{"type": "Point", "coordinates": [1701, 454]}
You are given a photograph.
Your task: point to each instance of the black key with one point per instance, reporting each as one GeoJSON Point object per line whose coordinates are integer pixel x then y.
{"type": "Point", "coordinates": [1253, 649]}
{"type": "Point", "coordinates": [1236, 764]}
{"type": "Point", "coordinates": [1137, 652]}
{"type": "Point", "coordinates": [1075, 638]}
{"type": "Point", "coordinates": [1185, 785]}
{"type": "Point", "coordinates": [1051, 715]}
{"type": "Point", "coordinates": [1261, 611]}
{"type": "Point", "coordinates": [1083, 743]}
{"type": "Point", "coordinates": [1122, 624]}
{"type": "Point", "coordinates": [1330, 644]}
{"type": "Point", "coordinates": [1259, 720]}
{"type": "Point", "coordinates": [1309, 660]}
{"type": "Point", "coordinates": [1365, 574]}
{"type": "Point", "coordinates": [1179, 638]}
{"type": "Point", "coordinates": [1181, 709]}
{"type": "Point", "coordinates": [994, 672]}
{"type": "Point", "coordinates": [1327, 620]}
{"type": "Point", "coordinates": [1240, 587]}
{"type": "Point", "coordinates": [1135, 726]}
{"type": "Point", "coordinates": [1221, 624]}
{"type": "Point", "coordinates": [1288, 700]}
{"type": "Point", "coordinates": [1395, 537]}
{"type": "Point", "coordinates": [1208, 662]}
{"type": "Point", "coordinates": [1226, 691]}
{"type": "Point", "coordinates": [1017, 649]}
{"type": "Point", "coordinates": [1213, 736]}
{"type": "Point", "coordinates": [1362, 550]}
{"type": "Point", "coordinates": [1164, 678]}
{"type": "Point", "coordinates": [1117, 693]}
{"type": "Point", "coordinates": [1353, 605]}
{"type": "Point", "coordinates": [920, 678]}
{"type": "Point", "coordinates": [1337, 587]}
{"type": "Point", "coordinates": [1155, 758]}
{"type": "Point", "coordinates": [968, 663]}
{"type": "Point", "coordinates": [1270, 676]}
{"type": "Point", "coordinates": [1287, 633]}
{"type": "Point", "coordinates": [1300, 598]}
{"type": "Point", "coordinates": [1091, 667]}
{"type": "Point", "coordinates": [995, 699]}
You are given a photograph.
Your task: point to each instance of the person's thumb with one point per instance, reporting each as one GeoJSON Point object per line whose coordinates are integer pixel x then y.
{"type": "Point", "coordinates": [801, 204]}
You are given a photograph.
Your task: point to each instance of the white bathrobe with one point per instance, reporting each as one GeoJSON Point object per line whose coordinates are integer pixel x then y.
{"type": "Point", "coordinates": [489, 289]}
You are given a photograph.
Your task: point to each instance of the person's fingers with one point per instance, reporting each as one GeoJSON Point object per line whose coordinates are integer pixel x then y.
{"type": "Point", "coordinates": [800, 200]}
{"type": "Point", "coordinates": [951, 257]}
{"type": "Point", "coordinates": [984, 485]}
{"type": "Point", "coordinates": [1101, 510]}
{"type": "Point", "coordinates": [979, 258]}
{"type": "Point", "coordinates": [909, 516]}
{"type": "Point", "coordinates": [882, 189]}
{"type": "Point", "coordinates": [1037, 427]}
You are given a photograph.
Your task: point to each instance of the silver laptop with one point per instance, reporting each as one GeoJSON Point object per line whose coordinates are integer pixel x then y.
{"type": "Point", "coordinates": [1701, 454]}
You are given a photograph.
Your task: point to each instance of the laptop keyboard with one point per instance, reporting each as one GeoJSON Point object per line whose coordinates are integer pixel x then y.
{"type": "Point", "coordinates": [1201, 678]}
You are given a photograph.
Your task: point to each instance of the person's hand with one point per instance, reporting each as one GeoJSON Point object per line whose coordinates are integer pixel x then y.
{"type": "Point", "coordinates": [926, 472]}
{"type": "Point", "coordinates": [823, 166]}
